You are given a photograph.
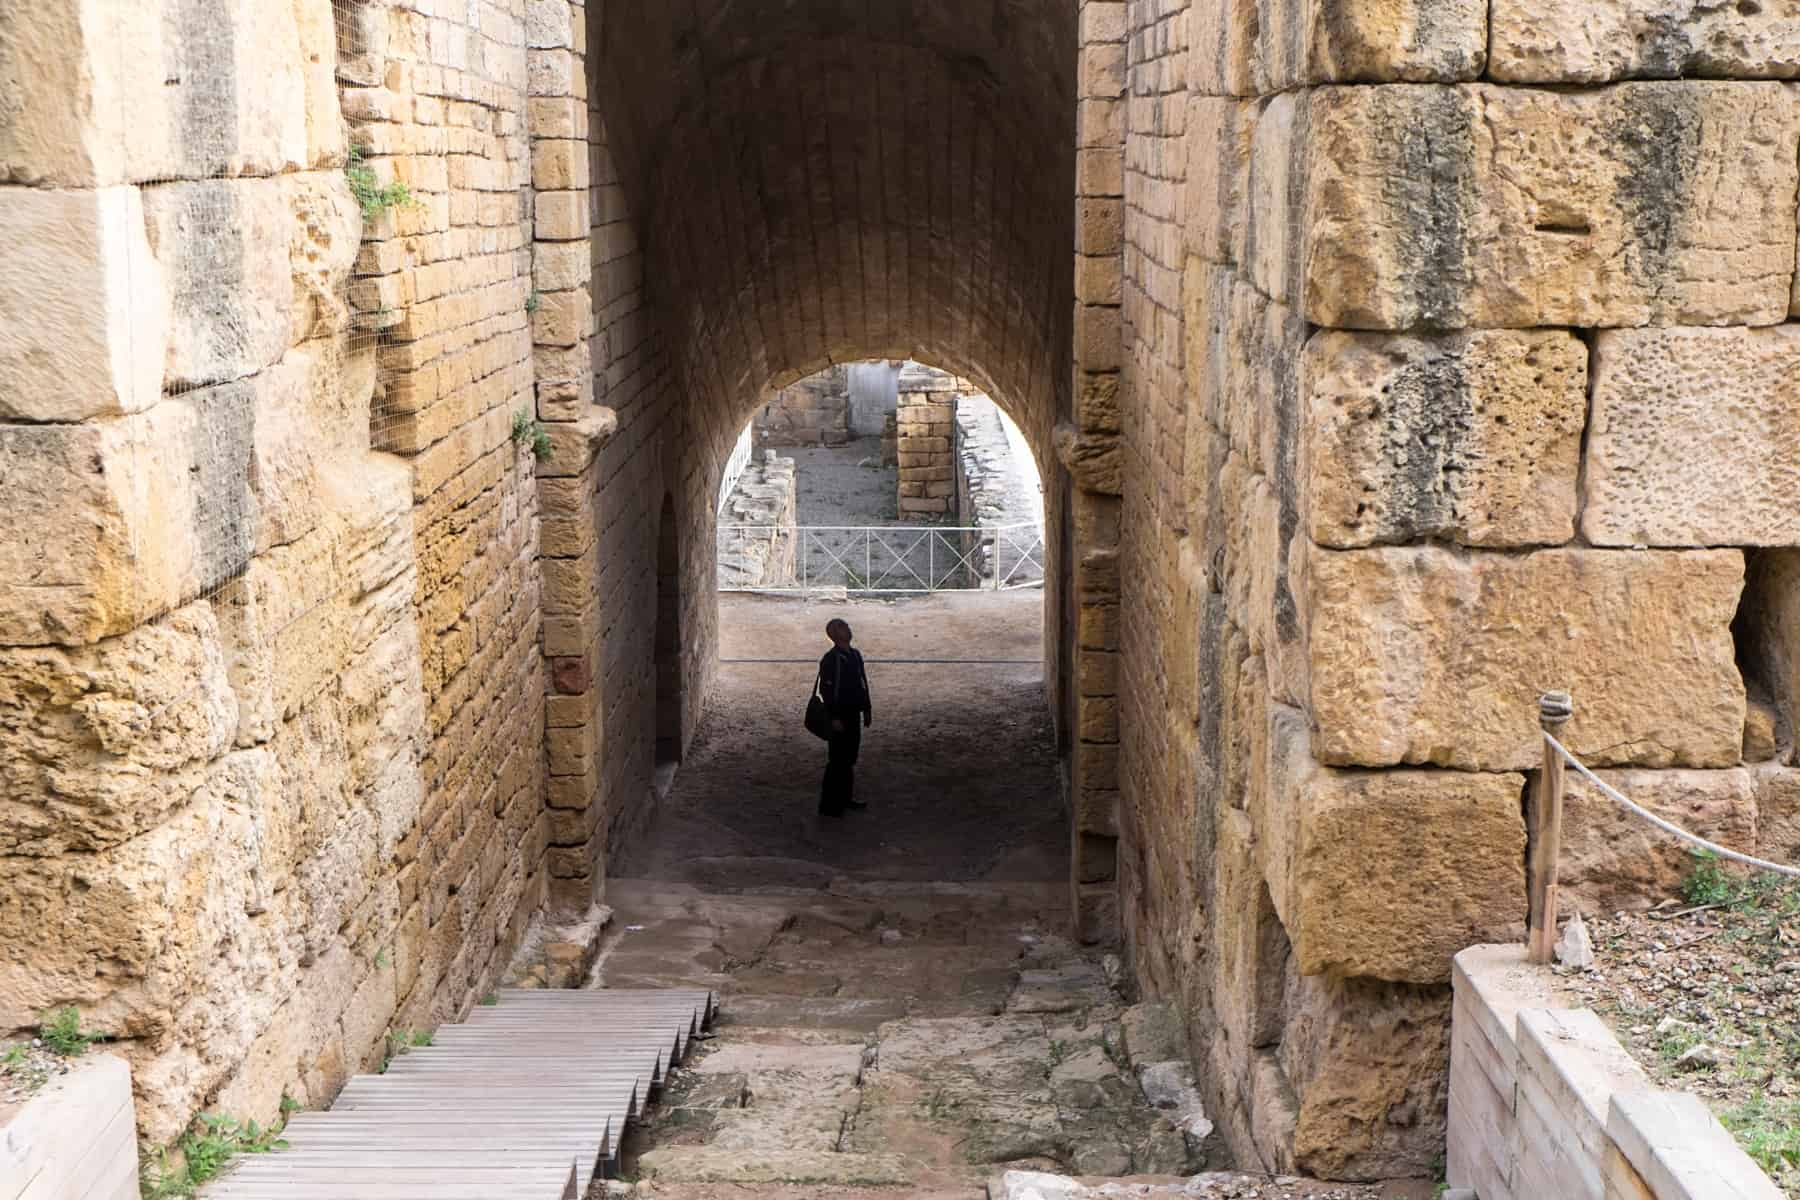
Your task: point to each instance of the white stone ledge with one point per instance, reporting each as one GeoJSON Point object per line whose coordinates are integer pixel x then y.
{"type": "Point", "coordinates": [1545, 1102]}
{"type": "Point", "coordinates": [75, 1140]}
{"type": "Point", "coordinates": [1676, 1146]}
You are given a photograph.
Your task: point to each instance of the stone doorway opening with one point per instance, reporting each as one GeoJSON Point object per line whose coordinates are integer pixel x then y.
{"type": "Point", "coordinates": [928, 537]}
{"type": "Point", "coordinates": [764, 211]}
{"type": "Point", "coordinates": [884, 478]}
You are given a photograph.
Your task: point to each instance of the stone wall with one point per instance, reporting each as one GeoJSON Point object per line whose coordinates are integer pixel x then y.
{"type": "Point", "coordinates": [812, 412]}
{"type": "Point", "coordinates": [1087, 445]}
{"type": "Point", "coordinates": [564, 183]}
{"type": "Point", "coordinates": [1411, 362]}
{"type": "Point", "coordinates": [440, 102]}
{"type": "Point", "coordinates": [890, 440]}
{"type": "Point", "coordinates": [759, 537]}
{"type": "Point", "coordinates": [271, 701]}
{"type": "Point", "coordinates": [971, 484]}
{"type": "Point", "coordinates": [648, 486]}
{"type": "Point", "coordinates": [925, 447]}
{"type": "Point", "coordinates": [997, 503]}
{"type": "Point", "coordinates": [1412, 376]}
{"type": "Point", "coordinates": [335, 682]}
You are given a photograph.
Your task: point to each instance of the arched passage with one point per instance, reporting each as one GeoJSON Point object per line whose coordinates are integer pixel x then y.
{"type": "Point", "coordinates": [783, 187]}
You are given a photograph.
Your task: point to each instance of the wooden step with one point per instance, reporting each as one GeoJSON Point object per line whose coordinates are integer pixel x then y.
{"type": "Point", "coordinates": [526, 1100]}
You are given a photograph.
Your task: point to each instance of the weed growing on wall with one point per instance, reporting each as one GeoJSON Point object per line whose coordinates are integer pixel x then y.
{"type": "Point", "coordinates": [370, 194]}
{"type": "Point", "coordinates": [399, 1041]}
{"type": "Point", "coordinates": [62, 1032]}
{"type": "Point", "coordinates": [204, 1151]}
{"type": "Point", "coordinates": [527, 430]}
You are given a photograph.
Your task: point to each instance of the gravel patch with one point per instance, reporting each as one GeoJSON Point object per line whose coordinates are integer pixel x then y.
{"type": "Point", "coordinates": [1705, 994]}
{"type": "Point", "coordinates": [25, 1067]}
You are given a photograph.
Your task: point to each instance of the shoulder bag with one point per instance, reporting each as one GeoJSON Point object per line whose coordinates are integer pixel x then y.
{"type": "Point", "coordinates": [818, 717]}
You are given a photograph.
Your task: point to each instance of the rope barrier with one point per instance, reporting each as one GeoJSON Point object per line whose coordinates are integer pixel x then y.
{"type": "Point", "coordinates": [1722, 851]}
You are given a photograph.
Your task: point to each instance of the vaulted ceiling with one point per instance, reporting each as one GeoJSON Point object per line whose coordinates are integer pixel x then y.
{"type": "Point", "coordinates": [829, 180]}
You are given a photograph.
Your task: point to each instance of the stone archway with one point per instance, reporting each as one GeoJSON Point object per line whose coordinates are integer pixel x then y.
{"type": "Point", "coordinates": [774, 192]}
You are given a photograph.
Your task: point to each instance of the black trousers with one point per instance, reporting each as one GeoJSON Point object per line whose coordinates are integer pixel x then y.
{"type": "Point", "coordinates": [839, 785]}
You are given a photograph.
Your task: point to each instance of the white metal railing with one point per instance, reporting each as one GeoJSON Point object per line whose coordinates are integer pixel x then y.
{"type": "Point", "coordinates": [887, 559]}
{"type": "Point", "coordinates": [734, 467]}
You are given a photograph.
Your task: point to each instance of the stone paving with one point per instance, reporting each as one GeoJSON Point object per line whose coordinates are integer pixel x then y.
{"type": "Point", "coordinates": [892, 1034]}
{"type": "Point", "coordinates": [927, 1037]}
{"type": "Point", "coordinates": [900, 1005]}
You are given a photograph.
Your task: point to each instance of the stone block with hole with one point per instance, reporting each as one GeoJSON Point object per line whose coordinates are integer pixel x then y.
{"type": "Point", "coordinates": [1617, 229]}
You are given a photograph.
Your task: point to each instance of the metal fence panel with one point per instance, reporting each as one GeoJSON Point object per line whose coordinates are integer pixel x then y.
{"type": "Point", "coordinates": [880, 559]}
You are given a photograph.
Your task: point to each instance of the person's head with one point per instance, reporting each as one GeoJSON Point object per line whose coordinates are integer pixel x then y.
{"type": "Point", "coordinates": [838, 630]}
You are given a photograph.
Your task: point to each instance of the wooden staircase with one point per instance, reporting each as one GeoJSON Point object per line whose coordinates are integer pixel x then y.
{"type": "Point", "coordinates": [526, 1100]}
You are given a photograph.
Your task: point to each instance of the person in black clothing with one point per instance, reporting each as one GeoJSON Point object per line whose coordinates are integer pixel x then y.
{"type": "Point", "coordinates": [844, 686]}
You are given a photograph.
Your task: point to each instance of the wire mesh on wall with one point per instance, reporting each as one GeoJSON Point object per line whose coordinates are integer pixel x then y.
{"type": "Point", "coordinates": [268, 283]}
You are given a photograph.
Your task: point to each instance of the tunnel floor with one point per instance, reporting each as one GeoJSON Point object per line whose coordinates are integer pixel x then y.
{"type": "Point", "coordinates": [902, 1012]}
{"type": "Point", "coordinates": [958, 770]}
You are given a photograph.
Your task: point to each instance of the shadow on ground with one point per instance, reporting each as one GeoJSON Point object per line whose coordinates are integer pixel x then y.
{"type": "Point", "coordinates": [959, 769]}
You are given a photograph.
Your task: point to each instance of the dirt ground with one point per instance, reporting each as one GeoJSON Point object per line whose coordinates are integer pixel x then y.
{"type": "Point", "coordinates": [845, 485]}
{"type": "Point", "coordinates": [843, 492]}
{"type": "Point", "coordinates": [1703, 995]}
{"type": "Point", "coordinates": [958, 770]}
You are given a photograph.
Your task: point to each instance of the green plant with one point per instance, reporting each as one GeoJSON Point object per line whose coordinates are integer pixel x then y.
{"type": "Point", "coordinates": [203, 1152]}
{"type": "Point", "coordinates": [938, 1105]}
{"type": "Point", "coordinates": [1059, 1051]}
{"type": "Point", "coordinates": [381, 960]}
{"type": "Point", "coordinates": [528, 430]}
{"type": "Point", "coordinates": [25, 1072]}
{"type": "Point", "coordinates": [371, 196]}
{"type": "Point", "coordinates": [533, 301]}
{"type": "Point", "coordinates": [62, 1032]}
{"type": "Point", "coordinates": [1769, 1132]}
{"type": "Point", "coordinates": [1708, 883]}
{"type": "Point", "coordinates": [399, 1041]}
{"type": "Point", "coordinates": [489, 1000]}
{"type": "Point", "coordinates": [1677, 1042]}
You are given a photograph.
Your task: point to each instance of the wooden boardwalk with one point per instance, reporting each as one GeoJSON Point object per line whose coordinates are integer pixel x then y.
{"type": "Point", "coordinates": [526, 1100]}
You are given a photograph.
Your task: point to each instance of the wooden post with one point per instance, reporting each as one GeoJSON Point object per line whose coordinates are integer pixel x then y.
{"type": "Point", "coordinates": [1554, 710]}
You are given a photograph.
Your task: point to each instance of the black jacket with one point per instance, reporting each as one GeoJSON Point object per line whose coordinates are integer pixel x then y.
{"type": "Point", "coordinates": [844, 683]}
